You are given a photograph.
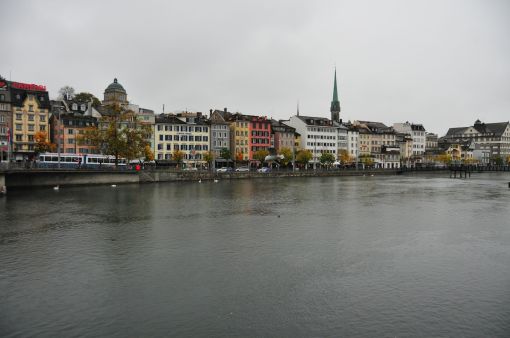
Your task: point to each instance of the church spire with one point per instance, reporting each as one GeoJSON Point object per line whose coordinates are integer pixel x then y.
{"type": "Point", "coordinates": [335, 104]}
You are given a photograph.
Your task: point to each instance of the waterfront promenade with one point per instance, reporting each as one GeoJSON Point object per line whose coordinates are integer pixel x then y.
{"type": "Point", "coordinates": [19, 178]}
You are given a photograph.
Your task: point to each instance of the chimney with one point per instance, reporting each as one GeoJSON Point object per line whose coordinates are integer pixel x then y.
{"type": "Point", "coordinates": [225, 110]}
{"type": "Point", "coordinates": [210, 111]}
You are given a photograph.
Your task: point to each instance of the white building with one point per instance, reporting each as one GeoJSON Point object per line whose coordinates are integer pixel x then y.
{"type": "Point", "coordinates": [318, 134]}
{"type": "Point", "coordinates": [418, 134]}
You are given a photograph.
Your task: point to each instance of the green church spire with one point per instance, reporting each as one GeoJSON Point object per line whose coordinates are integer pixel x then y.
{"type": "Point", "coordinates": [335, 104]}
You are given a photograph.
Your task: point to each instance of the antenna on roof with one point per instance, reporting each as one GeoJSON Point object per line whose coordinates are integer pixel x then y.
{"type": "Point", "coordinates": [297, 107]}
{"type": "Point", "coordinates": [163, 108]}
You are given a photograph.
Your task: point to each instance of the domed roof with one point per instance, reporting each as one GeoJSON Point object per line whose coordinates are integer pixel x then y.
{"type": "Point", "coordinates": [115, 86]}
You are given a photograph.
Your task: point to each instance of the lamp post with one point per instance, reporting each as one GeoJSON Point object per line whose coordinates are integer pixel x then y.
{"type": "Point", "coordinates": [58, 138]}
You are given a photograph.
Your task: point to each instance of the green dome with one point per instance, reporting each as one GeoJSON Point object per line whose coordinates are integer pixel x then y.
{"type": "Point", "coordinates": [115, 86]}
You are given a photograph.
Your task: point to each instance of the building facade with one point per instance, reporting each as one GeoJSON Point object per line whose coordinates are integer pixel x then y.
{"type": "Point", "coordinates": [418, 134]}
{"type": "Point", "coordinates": [5, 120]}
{"type": "Point", "coordinates": [220, 133]}
{"type": "Point", "coordinates": [175, 133]}
{"type": "Point", "coordinates": [493, 138]}
{"type": "Point", "coordinates": [30, 106]}
{"type": "Point", "coordinates": [284, 136]}
{"type": "Point", "coordinates": [318, 134]}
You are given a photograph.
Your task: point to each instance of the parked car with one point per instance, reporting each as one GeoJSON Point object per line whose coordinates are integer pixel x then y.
{"type": "Point", "coordinates": [224, 170]}
{"type": "Point", "coordinates": [264, 170]}
{"type": "Point", "coordinates": [242, 169]}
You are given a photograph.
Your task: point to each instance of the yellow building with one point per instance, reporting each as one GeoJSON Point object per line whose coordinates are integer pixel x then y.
{"type": "Point", "coordinates": [239, 134]}
{"type": "Point", "coordinates": [30, 113]}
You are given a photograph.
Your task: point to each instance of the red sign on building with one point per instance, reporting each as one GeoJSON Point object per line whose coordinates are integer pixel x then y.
{"type": "Point", "coordinates": [28, 86]}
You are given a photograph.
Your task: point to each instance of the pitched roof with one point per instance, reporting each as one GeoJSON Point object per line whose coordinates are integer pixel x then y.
{"type": "Point", "coordinates": [170, 119]}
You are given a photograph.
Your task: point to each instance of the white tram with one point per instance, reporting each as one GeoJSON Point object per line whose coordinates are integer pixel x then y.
{"type": "Point", "coordinates": [51, 160]}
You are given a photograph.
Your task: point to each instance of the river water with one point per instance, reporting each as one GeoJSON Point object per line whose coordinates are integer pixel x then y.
{"type": "Point", "coordinates": [395, 256]}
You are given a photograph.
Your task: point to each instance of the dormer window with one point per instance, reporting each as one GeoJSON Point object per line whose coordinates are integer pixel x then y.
{"type": "Point", "coordinates": [74, 106]}
{"type": "Point", "coordinates": [82, 107]}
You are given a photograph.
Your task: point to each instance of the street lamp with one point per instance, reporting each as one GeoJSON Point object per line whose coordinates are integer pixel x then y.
{"type": "Point", "coordinates": [58, 137]}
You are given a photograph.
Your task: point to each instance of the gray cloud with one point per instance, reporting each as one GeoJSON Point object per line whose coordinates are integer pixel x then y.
{"type": "Point", "coordinates": [440, 63]}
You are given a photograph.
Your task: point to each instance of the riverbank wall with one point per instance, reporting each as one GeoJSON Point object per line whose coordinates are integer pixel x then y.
{"type": "Point", "coordinates": [25, 179]}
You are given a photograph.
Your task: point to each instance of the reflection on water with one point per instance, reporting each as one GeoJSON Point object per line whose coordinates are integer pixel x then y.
{"type": "Point", "coordinates": [359, 256]}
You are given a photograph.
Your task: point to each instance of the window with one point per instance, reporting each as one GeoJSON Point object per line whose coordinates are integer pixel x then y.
{"type": "Point", "coordinates": [18, 116]}
{"type": "Point", "coordinates": [70, 131]}
{"type": "Point", "coordinates": [30, 138]}
{"type": "Point", "coordinates": [30, 117]}
{"type": "Point", "coordinates": [42, 118]}
{"type": "Point", "coordinates": [19, 127]}
{"type": "Point", "coordinates": [42, 128]}
{"type": "Point", "coordinates": [30, 107]}
{"type": "Point", "coordinates": [19, 137]}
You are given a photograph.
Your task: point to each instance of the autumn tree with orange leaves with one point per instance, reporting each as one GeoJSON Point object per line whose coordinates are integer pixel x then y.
{"type": "Point", "coordinates": [42, 145]}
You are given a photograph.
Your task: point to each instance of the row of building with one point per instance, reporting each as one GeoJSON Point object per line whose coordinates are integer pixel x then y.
{"type": "Point", "coordinates": [26, 109]}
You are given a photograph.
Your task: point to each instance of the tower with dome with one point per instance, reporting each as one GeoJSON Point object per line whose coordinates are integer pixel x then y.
{"type": "Point", "coordinates": [115, 93]}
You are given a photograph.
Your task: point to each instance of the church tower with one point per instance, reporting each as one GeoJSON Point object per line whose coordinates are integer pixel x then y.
{"type": "Point", "coordinates": [335, 104]}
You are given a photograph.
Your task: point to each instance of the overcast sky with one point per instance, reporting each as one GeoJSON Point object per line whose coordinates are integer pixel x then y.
{"type": "Point", "coordinates": [441, 63]}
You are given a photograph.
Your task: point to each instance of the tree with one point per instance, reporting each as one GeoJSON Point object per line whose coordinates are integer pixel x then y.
{"type": "Point", "coordinates": [66, 93]}
{"type": "Point", "coordinates": [239, 156]}
{"type": "Point", "coordinates": [208, 157]}
{"type": "Point", "coordinates": [344, 156]}
{"type": "Point", "coordinates": [118, 135]}
{"type": "Point", "coordinates": [367, 160]}
{"type": "Point", "coordinates": [508, 160]}
{"type": "Point", "coordinates": [304, 156]}
{"type": "Point", "coordinates": [260, 155]}
{"type": "Point", "coordinates": [86, 97]}
{"type": "Point", "coordinates": [444, 158]}
{"type": "Point", "coordinates": [42, 145]}
{"type": "Point", "coordinates": [178, 156]}
{"type": "Point", "coordinates": [327, 159]}
{"type": "Point", "coordinates": [498, 160]}
{"type": "Point", "coordinates": [149, 155]}
{"type": "Point", "coordinates": [287, 156]}
{"type": "Point", "coordinates": [225, 153]}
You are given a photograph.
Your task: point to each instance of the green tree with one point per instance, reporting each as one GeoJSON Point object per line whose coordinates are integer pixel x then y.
{"type": "Point", "coordinates": [327, 159]}
{"type": "Point", "coordinates": [303, 156]}
{"type": "Point", "coordinates": [287, 156]}
{"type": "Point", "coordinates": [260, 155]}
{"type": "Point", "coordinates": [86, 97]}
{"type": "Point", "coordinates": [225, 153]}
{"type": "Point", "coordinates": [498, 160]}
{"type": "Point", "coordinates": [118, 135]}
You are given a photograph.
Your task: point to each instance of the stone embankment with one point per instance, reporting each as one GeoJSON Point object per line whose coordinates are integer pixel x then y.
{"type": "Point", "coordinates": [20, 179]}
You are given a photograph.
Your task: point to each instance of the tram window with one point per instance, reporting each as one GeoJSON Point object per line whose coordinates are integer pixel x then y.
{"type": "Point", "coordinates": [54, 159]}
